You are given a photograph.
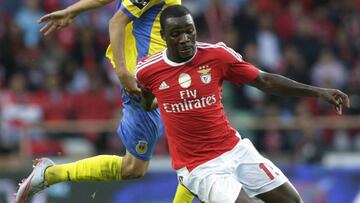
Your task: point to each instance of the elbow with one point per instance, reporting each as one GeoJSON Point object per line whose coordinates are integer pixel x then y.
{"type": "Point", "coordinates": [263, 85]}
{"type": "Point", "coordinates": [267, 83]}
{"type": "Point", "coordinates": [267, 87]}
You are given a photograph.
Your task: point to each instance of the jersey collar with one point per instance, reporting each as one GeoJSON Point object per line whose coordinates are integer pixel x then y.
{"type": "Point", "coordinates": [172, 63]}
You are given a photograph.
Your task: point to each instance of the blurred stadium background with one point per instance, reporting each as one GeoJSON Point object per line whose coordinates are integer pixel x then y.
{"type": "Point", "coordinates": [58, 95]}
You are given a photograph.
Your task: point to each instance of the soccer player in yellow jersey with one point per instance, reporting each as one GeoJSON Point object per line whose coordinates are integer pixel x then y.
{"type": "Point", "coordinates": [134, 33]}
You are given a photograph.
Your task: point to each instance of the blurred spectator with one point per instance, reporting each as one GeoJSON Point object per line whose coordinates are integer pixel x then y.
{"type": "Point", "coordinates": [96, 103]}
{"type": "Point", "coordinates": [53, 59]}
{"type": "Point", "coordinates": [287, 18]}
{"type": "Point", "coordinates": [328, 71]}
{"type": "Point", "coordinates": [342, 141]}
{"type": "Point", "coordinates": [273, 139]}
{"type": "Point", "coordinates": [66, 38]}
{"type": "Point", "coordinates": [245, 22]}
{"type": "Point", "coordinates": [76, 78]}
{"type": "Point", "coordinates": [12, 49]}
{"type": "Point", "coordinates": [57, 107]}
{"type": "Point", "coordinates": [268, 45]}
{"type": "Point", "coordinates": [306, 141]}
{"type": "Point", "coordinates": [324, 29]}
{"type": "Point", "coordinates": [293, 65]}
{"type": "Point", "coordinates": [353, 88]}
{"type": "Point", "coordinates": [306, 41]}
{"type": "Point", "coordinates": [87, 49]}
{"type": "Point", "coordinates": [56, 101]}
{"type": "Point", "coordinates": [50, 5]}
{"type": "Point", "coordinates": [218, 19]}
{"type": "Point", "coordinates": [27, 18]}
{"type": "Point", "coordinates": [19, 110]}
{"type": "Point", "coordinates": [250, 53]}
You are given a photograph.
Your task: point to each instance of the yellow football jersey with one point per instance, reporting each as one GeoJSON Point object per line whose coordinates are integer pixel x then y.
{"type": "Point", "coordinates": [142, 34]}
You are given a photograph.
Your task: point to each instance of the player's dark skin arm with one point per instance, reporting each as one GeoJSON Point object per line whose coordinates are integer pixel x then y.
{"type": "Point", "coordinates": [148, 100]}
{"type": "Point", "coordinates": [280, 85]}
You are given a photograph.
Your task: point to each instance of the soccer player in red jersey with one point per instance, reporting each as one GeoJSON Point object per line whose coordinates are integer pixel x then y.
{"type": "Point", "coordinates": [134, 33]}
{"type": "Point", "coordinates": [210, 157]}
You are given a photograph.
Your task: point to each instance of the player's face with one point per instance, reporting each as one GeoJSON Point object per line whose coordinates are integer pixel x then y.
{"type": "Point", "coordinates": [180, 36]}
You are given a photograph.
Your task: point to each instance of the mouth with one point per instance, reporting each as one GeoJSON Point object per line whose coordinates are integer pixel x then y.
{"type": "Point", "coordinates": [186, 50]}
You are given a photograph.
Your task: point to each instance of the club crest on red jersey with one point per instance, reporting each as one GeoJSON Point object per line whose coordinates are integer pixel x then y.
{"type": "Point", "coordinates": [205, 75]}
{"type": "Point", "coordinates": [141, 147]}
{"type": "Point", "coordinates": [184, 80]}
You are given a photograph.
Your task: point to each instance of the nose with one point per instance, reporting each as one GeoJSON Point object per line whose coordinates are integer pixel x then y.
{"type": "Point", "coordinates": [184, 38]}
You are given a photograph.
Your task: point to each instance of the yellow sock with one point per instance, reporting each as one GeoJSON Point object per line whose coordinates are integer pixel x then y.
{"type": "Point", "coordinates": [183, 195]}
{"type": "Point", "coordinates": [98, 168]}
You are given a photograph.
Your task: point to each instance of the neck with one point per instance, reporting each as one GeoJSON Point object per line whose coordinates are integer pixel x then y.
{"type": "Point", "coordinates": [176, 59]}
{"type": "Point", "coordinates": [173, 58]}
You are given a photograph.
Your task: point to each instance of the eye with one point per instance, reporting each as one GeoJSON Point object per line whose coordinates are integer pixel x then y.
{"type": "Point", "coordinates": [191, 30]}
{"type": "Point", "coordinates": [174, 34]}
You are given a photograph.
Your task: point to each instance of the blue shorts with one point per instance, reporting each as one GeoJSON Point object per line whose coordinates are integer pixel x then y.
{"type": "Point", "coordinates": [139, 130]}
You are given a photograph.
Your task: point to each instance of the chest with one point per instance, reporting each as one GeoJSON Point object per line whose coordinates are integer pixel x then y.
{"type": "Point", "coordinates": [187, 82]}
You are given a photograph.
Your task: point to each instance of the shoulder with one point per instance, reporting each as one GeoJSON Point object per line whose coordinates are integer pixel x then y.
{"type": "Point", "coordinates": [172, 2]}
{"type": "Point", "coordinates": [139, 4]}
{"type": "Point", "coordinates": [134, 8]}
{"type": "Point", "coordinates": [146, 63]}
{"type": "Point", "coordinates": [220, 49]}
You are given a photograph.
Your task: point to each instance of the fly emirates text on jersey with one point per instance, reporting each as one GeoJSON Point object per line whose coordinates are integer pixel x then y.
{"type": "Point", "coordinates": [189, 102]}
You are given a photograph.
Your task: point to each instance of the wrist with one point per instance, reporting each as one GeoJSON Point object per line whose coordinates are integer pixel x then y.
{"type": "Point", "coordinates": [71, 12]}
{"type": "Point", "coordinates": [319, 93]}
{"type": "Point", "coordinates": [122, 73]}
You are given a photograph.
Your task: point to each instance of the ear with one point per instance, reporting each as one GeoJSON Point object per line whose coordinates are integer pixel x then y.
{"type": "Point", "coordinates": [162, 34]}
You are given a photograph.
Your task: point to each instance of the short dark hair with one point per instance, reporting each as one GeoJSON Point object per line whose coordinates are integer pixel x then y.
{"type": "Point", "coordinates": [171, 12]}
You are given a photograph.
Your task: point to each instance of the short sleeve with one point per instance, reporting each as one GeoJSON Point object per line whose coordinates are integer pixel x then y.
{"type": "Point", "coordinates": [140, 76]}
{"type": "Point", "coordinates": [234, 68]}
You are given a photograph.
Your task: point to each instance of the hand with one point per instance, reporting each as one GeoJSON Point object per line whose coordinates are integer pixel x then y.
{"type": "Point", "coordinates": [336, 98]}
{"type": "Point", "coordinates": [129, 84]}
{"type": "Point", "coordinates": [55, 21]}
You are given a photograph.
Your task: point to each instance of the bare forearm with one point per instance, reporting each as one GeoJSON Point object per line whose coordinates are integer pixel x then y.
{"type": "Point", "coordinates": [279, 85]}
{"type": "Point", "coordinates": [117, 26]}
{"type": "Point", "coordinates": [85, 5]}
{"type": "Point", "coordinates": [148, 101]}
{"type": "Point", "coordinates": [149, 106]}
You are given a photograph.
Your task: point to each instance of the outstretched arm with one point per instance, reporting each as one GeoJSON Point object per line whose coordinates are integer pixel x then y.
{"type": "Point", "coordinates": [117, 26]}
{"type": "Point", "coordinates": [280, 85]}
{"type": "Point", "coordinates": [62, 18]}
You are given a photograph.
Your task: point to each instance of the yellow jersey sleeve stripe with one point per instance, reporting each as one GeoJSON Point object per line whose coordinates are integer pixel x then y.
{"type": "Point", "coordinates": [142, 30]}
{"type": "Point", "coordinates": [130, 50]}
{"type": "Point", "coordinates": [135, 8]}
{"type": "Point", "coordinates": [142, 34]}
{"type": "Point", "coordinates": [131, 8]}
{"type": "Point", "coordinates": [128, 13]}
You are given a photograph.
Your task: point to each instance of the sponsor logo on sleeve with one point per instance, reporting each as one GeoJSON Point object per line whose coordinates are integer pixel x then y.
{"type": "Point", "coordinates": [140, 3]}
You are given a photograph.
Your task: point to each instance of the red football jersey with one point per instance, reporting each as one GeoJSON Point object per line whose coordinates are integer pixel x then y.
{"type": "Point", "coordinates": [189, 98]}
